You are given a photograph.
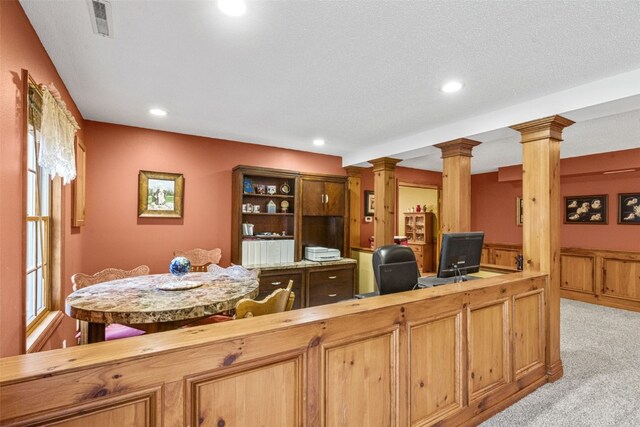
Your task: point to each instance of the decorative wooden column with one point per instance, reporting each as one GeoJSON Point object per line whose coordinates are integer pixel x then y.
{"type": "Point", "coordinates": [456, 185]}
{"type": "Point", "coordinates": [354, 174]}
{"type": "Point", "coordinates": [384, 189]}
{"type": "Point", "coordinates": [542, 214]}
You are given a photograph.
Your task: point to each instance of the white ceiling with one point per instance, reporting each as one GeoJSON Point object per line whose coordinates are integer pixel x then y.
{"type": "Point", "coordinates": [363, 75]}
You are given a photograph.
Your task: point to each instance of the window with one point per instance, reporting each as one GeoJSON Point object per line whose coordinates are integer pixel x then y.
{"type": "Point", "coordinates": [39, 229]}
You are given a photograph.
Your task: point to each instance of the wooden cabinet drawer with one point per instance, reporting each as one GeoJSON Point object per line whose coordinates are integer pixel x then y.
{"type": "Point", "coordinates": [280, 279]}
{"type": "Point", "coordinates": [417, 249]}
{"type": "Point", "coordinates": [329, 286]}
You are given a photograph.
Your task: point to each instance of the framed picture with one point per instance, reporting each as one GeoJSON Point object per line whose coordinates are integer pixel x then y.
{"type": "Point", "coordinates": [629, 208]}
{"type": "Point", "coordinates": [519, 211]}
{"type": "Point", "coordinates": [160, 194]}
{"type": "Point", "coordinates": [369, 203]}
{"type": "Point", "coordinates": [585, 209]}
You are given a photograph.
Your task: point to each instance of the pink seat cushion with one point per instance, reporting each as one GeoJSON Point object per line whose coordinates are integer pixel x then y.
{"type": "Point", "coordinates": [116, 331]}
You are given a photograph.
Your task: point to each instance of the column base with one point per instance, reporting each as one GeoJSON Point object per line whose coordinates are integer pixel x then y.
{"type": "Point", "coordinates": [555, 371]}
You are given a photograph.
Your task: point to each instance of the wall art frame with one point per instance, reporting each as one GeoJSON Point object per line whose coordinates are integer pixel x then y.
{"type": "Point", "coordinates": [160, 194]}
{"type": "Point", "coordinates": [369, 203]}
{"type": "Point", "coordinates": [629, 208]}
{"type": "Point", "coordinates": [586, 209]}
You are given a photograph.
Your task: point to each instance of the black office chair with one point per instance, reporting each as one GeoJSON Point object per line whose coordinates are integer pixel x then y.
{"type": "Point", "coordinates": [395, 269]}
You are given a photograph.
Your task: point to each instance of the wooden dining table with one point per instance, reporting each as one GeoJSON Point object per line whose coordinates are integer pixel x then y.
{"type": "Point", "coordinates": [153, 304]}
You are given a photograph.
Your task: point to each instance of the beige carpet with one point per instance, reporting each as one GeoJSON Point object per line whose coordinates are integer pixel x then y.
{"type": "Point", "coordinates": [600, 349]}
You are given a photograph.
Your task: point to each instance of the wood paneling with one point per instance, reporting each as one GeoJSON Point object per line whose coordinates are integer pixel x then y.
{"type": "Point", "coordinates": [528, 333]}
{"type": "Point", "coordinates": [360, 381]}
{"type": "Point", "coordinates": [141, 408]}
{"type": "Point", "coordinates": [392, 360]}
{"type": "Point", "coordinates": [505, 257]}
{"type": "Point", "coordinates": [621, 278]}
{"type": "Point", "coordinates": [577, 273]}
{"type": "Point", "coordinates": [231, 400]}
{"type": "Point", "coordinates": [489, 342]}
{"type": "Point", "coordinates": [597, 276]}
{"type": "Point", "coordinates": [436, 377]}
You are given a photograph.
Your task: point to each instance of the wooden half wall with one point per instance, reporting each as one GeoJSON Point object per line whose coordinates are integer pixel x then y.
{"type": "Point", "coordinates": [610, 278]}
{"type": "Point", "coordinates": [451, 355]}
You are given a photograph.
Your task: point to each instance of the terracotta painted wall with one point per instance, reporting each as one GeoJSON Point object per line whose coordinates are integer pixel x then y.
{"type": "Point", "coordinates": [116, 237]}
{"type": "Point", "coordinates": [494, 202]}
{"type": "Point", "coordinates": [407, 175]}
{"type": "Point", "coordinates": [20, 48]}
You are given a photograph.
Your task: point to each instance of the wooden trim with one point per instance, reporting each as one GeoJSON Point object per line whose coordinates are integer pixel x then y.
{"type": "Point", "coordinates": [457, 147]}
{"type": "Point", "coordinates": [79, 185]}
{"type": "Point", "coordinates": [22, 329]}
{"type": "Point", "coordinates": [44, 331]}
{"type": "Point", "coordinates": [546, 128]}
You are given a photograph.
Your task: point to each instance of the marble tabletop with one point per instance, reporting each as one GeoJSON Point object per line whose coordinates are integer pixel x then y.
{"type": "Point", "coordinates": [137, 300]}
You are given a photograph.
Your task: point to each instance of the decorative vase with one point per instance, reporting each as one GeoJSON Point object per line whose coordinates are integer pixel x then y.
{"type": "Point", "coordinates": [179, 266]}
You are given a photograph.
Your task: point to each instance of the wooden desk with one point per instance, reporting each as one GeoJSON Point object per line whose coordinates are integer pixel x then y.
{"type": "Point", "coordinates": [137, 301]}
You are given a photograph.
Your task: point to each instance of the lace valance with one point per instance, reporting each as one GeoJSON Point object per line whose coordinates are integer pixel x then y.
{"type": "Point", "coordinates": [57, 129]}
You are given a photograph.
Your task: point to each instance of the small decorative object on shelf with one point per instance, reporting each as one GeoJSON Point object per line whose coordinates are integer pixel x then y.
{"type": "Point", "coordinates": [284, 206]}
{"type": "Point", "coordinates": [418, 208]}
{"type": "Point", "coordinates": [248, 186]}
{"type": "Point", "coordinates": [284, 188]}
{"type": "Point", "coordinates": [271, 207]}
{"type": "Point", "coordinates": [256, 208]}
{"type": "Point", "coordinates": [271, 189]}
{"type": "Point", "coordinates": [261, 189]}
{"type": "Point", "coordinates": [179, 266]}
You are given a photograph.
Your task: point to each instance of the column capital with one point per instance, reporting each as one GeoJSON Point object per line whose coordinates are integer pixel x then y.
{"type": "Point", "coordinates": [545, 128]}
{"type": "Point", "coordinates": [354, 170]}
{"type": "Point", "coordinates": [457, 147]}
{"type": "Point", "coordinates": [384, 163]}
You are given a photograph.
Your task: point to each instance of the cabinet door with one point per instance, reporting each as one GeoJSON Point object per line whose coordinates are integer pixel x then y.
{"type": "Point", "coordinates": [313, 198]}
{"type": "Point", "coordinates": [272, 280]}
{"type": "Point", "coordinates": [334, 198]}
{"type": "Point", "coordinates": [329, 286]}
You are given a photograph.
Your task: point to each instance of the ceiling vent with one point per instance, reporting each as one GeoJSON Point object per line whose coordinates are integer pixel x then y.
{"type": "Point", "coordinates": [100, 11]}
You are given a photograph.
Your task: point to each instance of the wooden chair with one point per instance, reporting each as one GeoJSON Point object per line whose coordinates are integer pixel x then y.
{"type": "Point", "coordinates": [200, 258]}
{"type": "Point", "coordinates": [113, 331]}
{"type": "Point", "coordinates": [276, 302]}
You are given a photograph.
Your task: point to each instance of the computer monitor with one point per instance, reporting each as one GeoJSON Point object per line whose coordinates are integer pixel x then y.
{"type": "Point", "coordinates": [460, 253]}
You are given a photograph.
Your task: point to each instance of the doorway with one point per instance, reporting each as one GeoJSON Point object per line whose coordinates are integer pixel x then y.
{"type": "Point", "coordinates": [410, 196]}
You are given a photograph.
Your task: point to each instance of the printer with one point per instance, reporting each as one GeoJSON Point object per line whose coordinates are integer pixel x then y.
{"type": "Point", "coordinates": [318, 253]}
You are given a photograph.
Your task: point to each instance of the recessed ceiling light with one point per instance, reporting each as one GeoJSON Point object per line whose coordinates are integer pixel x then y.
{"type": "Point", "coordinates": [232, 7]}
{"type": "Point", "coordinates": [451, 86]}
{"type": "Point", "coordinates": [318, 142]}
{"type": "Point", "coordinates": [157, 112]}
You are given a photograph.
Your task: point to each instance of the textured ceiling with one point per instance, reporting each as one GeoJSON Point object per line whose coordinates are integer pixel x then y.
{"type": "Point", "coordinates": [363, 75]}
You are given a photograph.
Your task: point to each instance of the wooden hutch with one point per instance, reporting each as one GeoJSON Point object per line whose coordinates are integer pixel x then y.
{"type": "Point", "coordinates": [310, 210]}
{"type": "Point", "coordinates": [418, 227]}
